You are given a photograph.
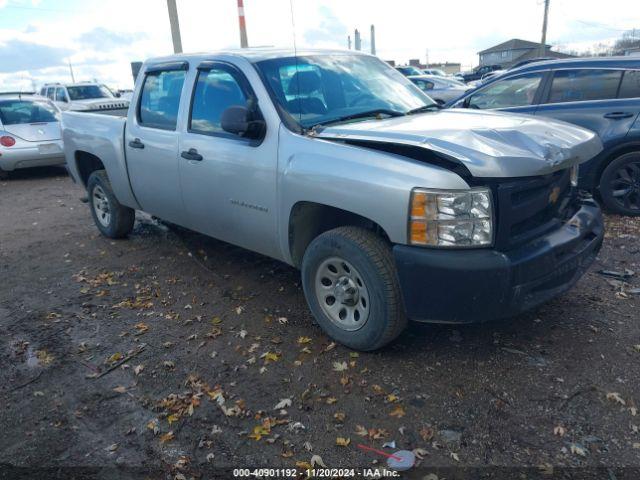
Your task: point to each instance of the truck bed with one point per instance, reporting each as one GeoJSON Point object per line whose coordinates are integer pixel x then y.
{"type": "Point", "coordinates": [101, 136]}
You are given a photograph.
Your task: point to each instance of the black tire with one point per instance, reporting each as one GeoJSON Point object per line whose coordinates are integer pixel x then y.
{"type": "Point", "coordinates": [622, 174]}
{"type": "Point", "coordinates": [120, 219]}
{"type": "Point", "coordinates": [370, 257]}
{"type": "Point", "coordinates": [3, 174]}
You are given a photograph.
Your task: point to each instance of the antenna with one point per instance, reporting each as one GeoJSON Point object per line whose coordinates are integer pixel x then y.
{"type": "Point", "coordinates": [295, 54]}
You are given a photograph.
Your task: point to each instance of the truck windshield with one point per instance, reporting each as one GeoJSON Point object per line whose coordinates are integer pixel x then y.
{"type": "Point", "coordinates": [314, 90]}
{"type": "Point", "coordinates": [86, 92]}
{"type": "Point", "coordinates": [16, 112]}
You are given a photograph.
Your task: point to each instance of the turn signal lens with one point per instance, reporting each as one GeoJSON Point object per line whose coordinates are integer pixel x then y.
{"type": "Point", "coordinates": [7, 141]}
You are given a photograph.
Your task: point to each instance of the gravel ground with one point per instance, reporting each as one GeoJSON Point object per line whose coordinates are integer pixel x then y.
{"type": "Point", "coordinates": [173, 353]}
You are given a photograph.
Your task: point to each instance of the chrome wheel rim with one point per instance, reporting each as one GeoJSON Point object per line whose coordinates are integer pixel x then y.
{"type": "Point", "coordinates": [625, 186]}
{"type": "Point", "coordinates": [342, 294]}
{"type": "Point", "coordinates": [101, 206]}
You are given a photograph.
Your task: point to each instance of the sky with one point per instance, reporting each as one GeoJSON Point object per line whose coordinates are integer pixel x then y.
{"type": "Point", "coordinates": [39, 38]}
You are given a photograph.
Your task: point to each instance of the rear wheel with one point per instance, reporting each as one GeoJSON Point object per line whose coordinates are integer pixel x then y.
{"type": "Point", "coordinates": [3, 174]}
{"type": "Point", "coordinates": [112, 219]}
{"type": "Point", "coordinates": [350, 283]}
{"type": "Point", "coordinates": [620, 185]}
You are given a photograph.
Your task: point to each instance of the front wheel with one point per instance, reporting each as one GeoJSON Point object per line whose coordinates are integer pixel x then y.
{"type": "Point", "coordinates": [112, 219]}
{"type": "Point", "coordinates": [351, 286]}
{"type": "Point", "coordinates": [620, 185]}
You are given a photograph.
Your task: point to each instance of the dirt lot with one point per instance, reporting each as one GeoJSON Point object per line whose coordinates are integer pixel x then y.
{"type": "Point", "coordinates": [170, 352]}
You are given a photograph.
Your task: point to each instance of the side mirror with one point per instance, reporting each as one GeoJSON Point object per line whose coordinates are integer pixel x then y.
{"type": "Point", "coordinates": [238, 119]}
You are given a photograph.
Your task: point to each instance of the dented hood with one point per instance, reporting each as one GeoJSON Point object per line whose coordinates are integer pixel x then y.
{"type": "Point", "coordinates": [488, 144]}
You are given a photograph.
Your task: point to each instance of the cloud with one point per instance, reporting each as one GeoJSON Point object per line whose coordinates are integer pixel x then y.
{"type": "Point", "coordinates": [18, 55]}
{"type": "Point", "coordinates": [330, 29]}
{"type": "Point", "coordinates": [102, 39]}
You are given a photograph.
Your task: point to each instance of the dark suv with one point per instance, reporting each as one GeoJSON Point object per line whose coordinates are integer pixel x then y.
{"type": "Point", "coordinates": [602, 94]}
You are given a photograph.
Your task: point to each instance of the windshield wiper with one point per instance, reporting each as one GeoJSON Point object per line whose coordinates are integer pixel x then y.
{"type": "Point", "coordinates": [354, 116]}
{"type": "Point", "coordinates": [424, 108]}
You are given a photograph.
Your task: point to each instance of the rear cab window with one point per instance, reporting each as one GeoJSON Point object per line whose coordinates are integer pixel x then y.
{"type": "Point", "coordinates": [579, 85]}
{"type": "Point", "coordinates": [160, 99]}
{"type": "Point", "coordinates": [17, 112]}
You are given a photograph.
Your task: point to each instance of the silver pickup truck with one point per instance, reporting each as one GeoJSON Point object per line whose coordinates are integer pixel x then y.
{"type": "Point", "coordinates": [335, 163]}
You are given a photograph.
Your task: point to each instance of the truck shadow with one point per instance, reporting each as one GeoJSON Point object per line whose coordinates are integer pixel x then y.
{"type": "Point", "coordinates": [261, 276]}
{"type": "Point", "coordinates": [35, 173]}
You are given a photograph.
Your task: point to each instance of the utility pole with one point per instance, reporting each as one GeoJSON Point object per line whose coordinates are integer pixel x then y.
{"type": "Point", "coordinates": [543, 49]}
{"type": "Point", "coordinates": [73, 80]}
{"type": "Point", "coordinates": [175, 26]}
{"type": "Point", "coordinates": [244, 43]}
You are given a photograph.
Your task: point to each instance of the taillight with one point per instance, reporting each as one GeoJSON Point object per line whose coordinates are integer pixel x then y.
{"type": "Point", "coordinates": [7, 141]}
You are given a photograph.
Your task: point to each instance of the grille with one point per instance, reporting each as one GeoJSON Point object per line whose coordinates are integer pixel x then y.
{"type": "Point", "coordinates": [528, 208]}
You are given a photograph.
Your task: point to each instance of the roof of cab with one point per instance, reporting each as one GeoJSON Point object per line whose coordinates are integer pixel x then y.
{"type": "Point", "coordinates": [253, 55]}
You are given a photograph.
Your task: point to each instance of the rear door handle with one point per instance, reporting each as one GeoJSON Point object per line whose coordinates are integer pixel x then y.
{"type": "Point", "coordinates": [192, 154]}
{"type": "Point", "coordinates": [136, 143]}
{"type": "Point", "coordinates": [618, 115]}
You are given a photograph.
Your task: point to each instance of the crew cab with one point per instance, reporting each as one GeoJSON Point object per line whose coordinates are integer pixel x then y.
{"type": "Point", "coordinates": [335, 163]}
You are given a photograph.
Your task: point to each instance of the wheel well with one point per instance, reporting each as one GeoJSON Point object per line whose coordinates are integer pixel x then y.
{"type": "Point", "coordinates": [611, 157]}
{"type": "Point", "coordinates": [87, 163]}
{"type": "Point", "coordinates": [309, 219]}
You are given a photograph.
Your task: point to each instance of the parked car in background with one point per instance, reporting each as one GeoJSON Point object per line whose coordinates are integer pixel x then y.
{"type": "Point", "coordinates": [478, 72]}
{"type": "Point", "coordinates": [84, 96]}
{"type": "Point", "coordinates": [602, 94]}
{"type": "Point", "coordinates": [30, 133]}
{"type": "Point", "coordinates": [334, 163]}
{"type": "Point", "coordinates": [407, 70]}
{"type": "Point", "coordinates": [435, 71]}
{"type": "Point", "coordinates": [440, 89]}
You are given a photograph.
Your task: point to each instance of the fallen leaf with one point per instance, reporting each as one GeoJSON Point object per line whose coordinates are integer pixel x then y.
{"type": "Point", "coordinates": [153, 426]}
{"type": "Point", "coordinates": [270, 357]}
{"type": "Point", "coordinates": [343, 442]}
{"type": "Point", "coordinates": [397, 412]}
{"type": "Point", "coordinates": [44, 357]}
{"type": "Point", "coordinates": [141, 327]}
{"type": "Point", "coordinates": [578, 449]}
{"type": "Point", "coordinates": [210, 457]}
{"type": "Point", "coordinates": [420, 453]}
{"type": "Point", "coordinates": [120, 389]}
{"type": "Point", "coordinates": [426, 433]}
{"type": "Point", "coordinates": [112, 448]}
{"type": "Point", "coordinates": [284, 403]}
{"type": "Point", "coordinates": [114, 358]}
{"type": "Point", "coordinates": [455, 456]}
{"type": "Point", "coordinates": [216, 320]}
{"type": "Point", "coordinates": [559, 431]}
{"type": "Point", "coordinates": [169, 364]}
{"type": "Point", "coordinates": [360, 430]}
{"type": "Point", "coordinates": [615, 397]}
{"type": "Point", "coordinates": [340, 366]}
{"type": "Point", "coordinates": [339, 417]}
{"type": "Point", "coordinates": [391, 398]}
{"type": "Point", "coordinates": [317, 460]}
{"type": "Point", "coordinates": [259, 431]}
{"type": "Point", "coordinates": [173, 418]}
{"type": "Point", "coordinates": [304, 340]}
{"type": "Point", "coordinates": [138, 369]}
{"type": "Point", "coordinates": [167, 437]}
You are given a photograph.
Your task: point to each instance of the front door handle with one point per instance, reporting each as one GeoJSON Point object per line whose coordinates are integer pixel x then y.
{"type": "Point", "coordinates": [136, 143]}
{"type": "Point", "coordinates": [192, 154]}
{"type": "Point", "coordinates": [618, 115]}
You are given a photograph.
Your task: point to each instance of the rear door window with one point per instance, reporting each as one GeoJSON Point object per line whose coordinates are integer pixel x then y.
{"type": "Point", "coordinates": [424, 84]}
{"type": "Point", "coordinates": [630, 86]}
{"type": "Point", "coordinates": [584, 85]}
{"type": "Point", "coordinates": [50, 92]}
{"type": "Point", "coordinates": [160, 99]}
{"type": "Point", "coordinates": [511, 92]}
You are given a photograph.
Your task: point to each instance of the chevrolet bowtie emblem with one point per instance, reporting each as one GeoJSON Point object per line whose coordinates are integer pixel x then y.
{"type": "Point", "coordinates": [554, 195]}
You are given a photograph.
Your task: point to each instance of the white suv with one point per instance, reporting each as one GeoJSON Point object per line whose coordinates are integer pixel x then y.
{"type": "Point", "coordinates": [84, 96]}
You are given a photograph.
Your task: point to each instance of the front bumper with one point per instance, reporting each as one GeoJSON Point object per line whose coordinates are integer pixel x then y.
{"type": "Point", "coordinates": [466, 286]}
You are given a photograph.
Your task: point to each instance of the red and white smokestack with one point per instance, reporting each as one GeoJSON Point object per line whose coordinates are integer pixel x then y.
{"type": "Point", "coordinates": [243, 25]}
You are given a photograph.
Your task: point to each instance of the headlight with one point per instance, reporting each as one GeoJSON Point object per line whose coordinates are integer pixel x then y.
{"type": "Point", "coordinates": [455, 218]}
{"type": "Point", "coordinates": [575, 170]}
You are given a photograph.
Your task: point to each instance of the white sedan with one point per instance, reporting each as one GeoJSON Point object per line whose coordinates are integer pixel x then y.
{"type": "Point", "coordinates": [30, 134]}
{"type": "Point", "coordinates": [440, 89]}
